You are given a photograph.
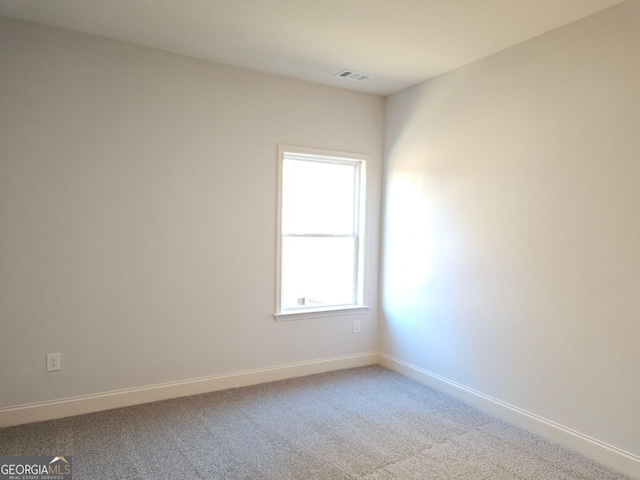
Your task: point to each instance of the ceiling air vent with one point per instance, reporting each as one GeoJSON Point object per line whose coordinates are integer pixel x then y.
{"type": "Point", "coordinates": [356, 76]}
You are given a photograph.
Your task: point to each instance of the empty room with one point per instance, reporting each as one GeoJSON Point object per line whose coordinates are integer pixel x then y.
{"type": "Point", "coordinates": [332, 239]}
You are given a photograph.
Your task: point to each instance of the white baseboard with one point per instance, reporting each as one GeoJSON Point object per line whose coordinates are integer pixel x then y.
{"type": "Point", "coordinates": [600, 451]}
{"type": "Point", "coordinates": [66, 407]}
{"type": "Point", "coordinates": [34, 412]}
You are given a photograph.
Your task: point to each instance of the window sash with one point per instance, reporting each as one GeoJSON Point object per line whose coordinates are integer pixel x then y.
{"type": "Point", "coordinates": [301, 270]}
{"type": "Point", "coordinates": [323, 156]}
{"type": "Point", "coordinates": [325, 224]}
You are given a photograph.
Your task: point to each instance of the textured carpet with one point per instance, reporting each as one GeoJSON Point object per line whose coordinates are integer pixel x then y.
{"type": "Point", "coordinates": [364, 423]}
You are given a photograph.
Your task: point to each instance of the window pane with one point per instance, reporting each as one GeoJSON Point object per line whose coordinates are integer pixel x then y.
{"type": "Point", "coordinates": [318, 271]}
{"type": "Point", "coordinates": [318, 197]}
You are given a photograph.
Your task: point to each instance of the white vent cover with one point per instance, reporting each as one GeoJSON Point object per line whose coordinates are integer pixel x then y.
{"type": "Point", "coordinates": [351, 75]}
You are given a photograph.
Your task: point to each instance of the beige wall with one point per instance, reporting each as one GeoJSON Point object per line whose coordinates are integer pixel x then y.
{"type": "Point", "coordinates": [512, 231]}
{"type": "Point", "coordinates": [137, 220]}
{"type": "Point", "coordinates": [138, 212]}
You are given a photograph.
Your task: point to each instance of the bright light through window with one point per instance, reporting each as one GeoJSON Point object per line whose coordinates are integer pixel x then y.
{"type": "Point", "coordinates": [318, 197]}
{"type": "Point", "coordinates": [320, 230]}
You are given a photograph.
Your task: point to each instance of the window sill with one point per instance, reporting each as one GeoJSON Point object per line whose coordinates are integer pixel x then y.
{"type": "Point", "coordinates": [320, 312]}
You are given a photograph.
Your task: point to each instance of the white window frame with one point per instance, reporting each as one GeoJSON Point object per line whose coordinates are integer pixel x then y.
{"type": "Point", "coordinates": [358, 160]}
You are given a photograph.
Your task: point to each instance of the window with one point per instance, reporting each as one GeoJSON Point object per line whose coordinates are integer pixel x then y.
{"type": "Point", "coordinates": [321, 226]}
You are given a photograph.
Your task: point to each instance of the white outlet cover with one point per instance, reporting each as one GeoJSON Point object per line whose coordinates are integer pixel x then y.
{"type": "Point", "coordinates": [53, 362]}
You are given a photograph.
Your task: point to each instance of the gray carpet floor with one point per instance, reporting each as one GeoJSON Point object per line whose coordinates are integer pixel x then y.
{"type": "Point", "coordinates": [364, 423]}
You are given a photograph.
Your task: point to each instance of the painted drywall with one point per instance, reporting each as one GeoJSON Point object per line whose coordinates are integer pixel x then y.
{"type": "Point", "coordinates": [138, 214]}
{"type": "Point", "coordinates": [511, 236]}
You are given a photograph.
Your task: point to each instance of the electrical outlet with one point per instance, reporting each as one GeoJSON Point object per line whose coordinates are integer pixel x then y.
{"type": "Point", "coordinates": [356, 326]}
{"type": "Point", "coordinates": [53, 362]}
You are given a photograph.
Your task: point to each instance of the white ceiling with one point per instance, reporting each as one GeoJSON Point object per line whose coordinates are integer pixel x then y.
{"type": "Point", "coordinates": [400, 42]}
